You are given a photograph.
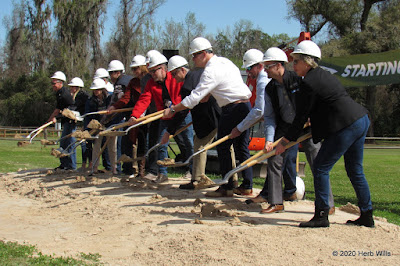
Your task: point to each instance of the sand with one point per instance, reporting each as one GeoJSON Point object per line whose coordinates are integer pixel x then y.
{"type": "Point", "coordinates": [142, 223]}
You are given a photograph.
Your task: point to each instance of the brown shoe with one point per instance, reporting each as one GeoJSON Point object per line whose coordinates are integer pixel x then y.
{"type": "Point", "coordinates": [291, 197]}
{"type": "Point", "coordinates": [258, 199]}
{"type": "Point", "coordinates": [161, 178]}
{"type": "Point", "coordinates": [220, 192]}
{"type": "Point", "coordinates": [332, 211]}
{"type": "Point", "coordinates": [273, 208]}
{"type": "Point", "coordinates": [243, 191]}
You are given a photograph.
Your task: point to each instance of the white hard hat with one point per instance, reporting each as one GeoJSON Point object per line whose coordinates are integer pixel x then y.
{"type": "Point", "coordinates": [199, 44]}
{"type": "Point", "coordinates": [300, 188]}
{"type": "Point", "coordinates": [101, 73]}
{"type": "Point", "coordinates": [155, 58]}
{"type": "Point", "coordinates": [138, 60]}
{"type": "Point", "coordinates": [252, 57]}
{"type": "Point", "coordinates": [59, 75]}
{"type": "Point", "coordinates": [308, 47]}
{"type": "Point", "coordinates": [98, 84]}
{"type": "Point", "coordinates": [275, 54]}
{"type": "Point", "coordinates": [76, 82]}
{"type": "Point", "coordinates": [176, 61]}
{"type": "Point", "coordinates": [116, 65]}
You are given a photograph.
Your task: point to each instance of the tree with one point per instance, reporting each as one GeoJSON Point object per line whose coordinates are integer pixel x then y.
{"type": "Point", "coordinates": [77, 24]}
{"type": "Point", "coordinates": [38, 17]}
{"type": "Point", "coordinates": [130, 19]}
{"type": "Point", "coordinates": [191, 29]}
{"type": "Point", "coordinates": [17, 48]}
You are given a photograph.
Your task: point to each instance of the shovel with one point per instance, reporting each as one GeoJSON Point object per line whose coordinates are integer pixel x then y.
{"type": "Point", "coordinates": [38, 131]}
{"type": "Point", "coordinates": [108, 112]}
{"type": "Point", "coordinates": [63, 152]}
{"type": "Point", "coordinates": [111, 131]}
{"type": "Point", "coordinates": [212, 145]}
{"type": "Point", "coordinates": [158, 144]}
{"type": "Point", "coordinates": [246, 164]}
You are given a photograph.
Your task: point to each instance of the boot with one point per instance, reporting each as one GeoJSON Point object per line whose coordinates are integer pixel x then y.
{"type": "Point", "coordinates": [141, 168]}
{"type": "Point", "coordinates": [320, 219]}
{"type": "Point", "coordinates": [365, 219]}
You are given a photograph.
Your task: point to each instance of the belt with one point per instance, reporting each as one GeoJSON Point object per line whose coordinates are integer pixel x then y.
{"type": "Point", "coordinates": [236, 102]}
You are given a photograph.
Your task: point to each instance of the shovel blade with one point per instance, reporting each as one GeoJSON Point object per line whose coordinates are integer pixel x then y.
{"type": "Point", "coordinates": [219, 182]}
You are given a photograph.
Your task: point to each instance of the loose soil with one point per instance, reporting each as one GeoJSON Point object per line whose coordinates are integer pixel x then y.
{"type": "Point", "coordinates": [143, 223]}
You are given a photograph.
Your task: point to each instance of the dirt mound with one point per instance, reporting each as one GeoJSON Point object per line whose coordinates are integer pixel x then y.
{"type": "Point", "coordinates": [140, 222]}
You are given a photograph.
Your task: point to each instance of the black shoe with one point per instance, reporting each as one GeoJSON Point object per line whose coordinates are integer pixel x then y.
{"type": "Point", "coordinates": [365, 219]}
{"type": "Point", "coordinates": [190, 186]}
{"type": "Point", "coordinates": [320, 219]}
{"type": "Point", "coordinates": [59, 168]}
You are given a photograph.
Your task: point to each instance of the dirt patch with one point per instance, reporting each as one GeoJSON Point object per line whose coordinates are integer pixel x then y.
{"type": "Point", "coordinates": [143, 223]}
{"type": "Point", "coordinates": [81, 134]}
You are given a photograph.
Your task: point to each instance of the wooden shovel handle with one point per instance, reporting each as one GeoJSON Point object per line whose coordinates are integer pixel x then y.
{"type": "Point", "coordinates": [140, 119]}
{"type": "Point", "coordinates": [258, 154]}
{"type": "Point", "coordinates": [179, 131]}
{"type": "Point", "coordinates": [216, 143]}
{"type": "Point", "coordinates": [272, 153]}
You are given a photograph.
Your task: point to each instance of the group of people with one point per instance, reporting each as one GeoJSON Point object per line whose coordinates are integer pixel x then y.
{"type": "Point", "coordinates": [212, 101]}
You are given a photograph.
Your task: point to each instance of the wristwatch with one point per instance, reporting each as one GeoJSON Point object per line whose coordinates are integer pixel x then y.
{"type": "Point", "coordinates": [172, 109]}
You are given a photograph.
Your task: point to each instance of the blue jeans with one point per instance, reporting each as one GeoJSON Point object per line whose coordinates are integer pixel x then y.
{"type": "Point", "coordinates": [185, 142]}
{"type": "Point", "coordinates": [68, 162]}
{"type": "Point", "coordinates": [350, 143]}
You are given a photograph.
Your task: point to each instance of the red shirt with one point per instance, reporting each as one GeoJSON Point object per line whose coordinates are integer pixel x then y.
{"type": "Point", "coordinates": [153, 91]}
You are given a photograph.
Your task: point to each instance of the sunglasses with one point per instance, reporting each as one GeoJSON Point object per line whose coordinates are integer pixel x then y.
{"type": "Point", "coordinates": [54, 82]}
{"type": "Point", "coordinates": [296, 61]}
{"type": "Point", "coordinates": [249, 68]}
{"type": "Point", "coordinates": [196, 54]}
{"type": "Point", "coordinates": [266, 67]}
{"type": "Point", "coordinates": [153, 71]}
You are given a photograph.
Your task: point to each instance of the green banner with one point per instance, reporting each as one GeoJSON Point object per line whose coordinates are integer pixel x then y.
{"type": "Point", "coordinates": [365, 69]}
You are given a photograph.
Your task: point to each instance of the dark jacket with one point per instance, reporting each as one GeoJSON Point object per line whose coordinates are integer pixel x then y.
{"type": "Point", "coordinates": [205, 115]}
{"type": "Point", "coordinates": [94, 104]}
{"type": "Point", "coordinates": [80, 101]}
{"type": "Point", "coordinates": [64, 100]}
{"type": "Point", "coordinates": [326, 102]}
{"type": "Point", "coordinates": [283, 99]}
{"type": "Point", "coordinates": [119, 89]}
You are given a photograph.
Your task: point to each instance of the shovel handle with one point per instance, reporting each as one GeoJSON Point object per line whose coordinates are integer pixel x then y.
{"type": "Point", "coordinates": [258, 154]}
{"type": "Point", "coordinates": [115, 111]}
{"type": "Point", "coordinates": [179, 131]}
{"type": "Point", "coordinates": [216, 143]}
{"type": "Point", "coordinates": [140, 119]}
{"type": "Point", "coordinates": [272, 153]}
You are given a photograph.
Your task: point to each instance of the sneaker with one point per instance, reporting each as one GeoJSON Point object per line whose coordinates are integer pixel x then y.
{"type": "Point", "coordinates": [150, 176]}
{"type": "Point", "coordinates": [161, 178]}
{"type": "Point", "coordinates": [190, 186]}
{"type": "Point", "coordinates": [220, 192]}
{"type": "Point", "coordinates": [243, 191]}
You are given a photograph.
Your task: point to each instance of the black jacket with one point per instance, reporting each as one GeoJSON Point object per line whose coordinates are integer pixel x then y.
{"type": "Point", "coordinates": [323, 98]}
{"type": "Point", "coordinates": [80, 101]}
{"type": "Point", "coordinates": [283, 99]}
{"type": "Point", "coordinates": [64, 100]}
{"type": "Point", "coordinates": [93, 104]}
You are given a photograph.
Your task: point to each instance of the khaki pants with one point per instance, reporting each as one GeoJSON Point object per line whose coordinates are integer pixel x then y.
{"type": "Point", "coordinates": [200, 161]}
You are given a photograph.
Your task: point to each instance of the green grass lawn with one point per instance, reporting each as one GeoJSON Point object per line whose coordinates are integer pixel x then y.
{"type": "Point", "coordinates": [382, 168]}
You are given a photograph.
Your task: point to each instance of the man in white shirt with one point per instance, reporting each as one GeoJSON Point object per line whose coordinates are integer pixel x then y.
{"type": "Point", "coordinates": [252, 62]}
{"type": "Point", "coordinates": [221, 79]}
